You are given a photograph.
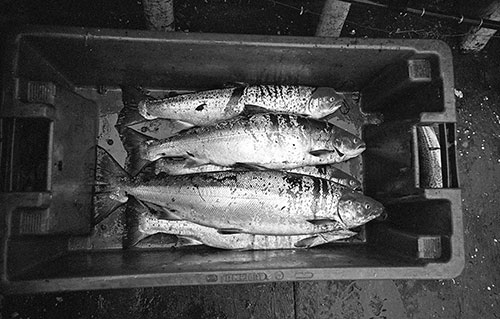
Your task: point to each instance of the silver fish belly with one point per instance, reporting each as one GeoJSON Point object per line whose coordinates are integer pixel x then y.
{"type": "Point", "coordinates": [208, 107]}
{"type": "Point", "coordinates": [179, 167]}
{"type": "Point", "coordinates": [258, 202]}
{"type": "Point", "coordinates": [274, 141]}
{"type": "Point", "coordinates": [148, 224]}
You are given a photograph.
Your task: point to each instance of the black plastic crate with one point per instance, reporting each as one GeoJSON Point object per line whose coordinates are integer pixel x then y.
{"type": "Point", "coordinates": [60, 96]}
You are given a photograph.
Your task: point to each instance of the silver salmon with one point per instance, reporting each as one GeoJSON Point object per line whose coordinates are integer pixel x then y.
{"type": "Point", "coordinates": [257, 202]}
{"type": "Point", "coordinates": [429, 156]}
{"type": "Point", "coordinates": [141, 223]}
{"type": "Point", "coordinates": [172, 166]}
{"type": "Point", "coordinates": [330, 173]}
{"type": "Point", "coordinates": [265, 141]}
{"type": "Point", "coordinates": [210, 107]}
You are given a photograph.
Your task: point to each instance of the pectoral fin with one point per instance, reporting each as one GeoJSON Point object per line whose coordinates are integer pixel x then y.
{"type": "Point", "coordinates": [182, 125]}
{"type": "Point", "coordinates": [187, 241]}
{"type": "Point", "coordinates": [324, 238]}
{"type": "Point", "coordinates": [229, 231]}
{"type": "Point", "coordinates": [337, 235]}
{"type": "Point", "coordinates": [193, 161]}
{"type": "Point", "coordinates": [320, 153]}
{"type": "Point", "coordinates": [324, 221]}
{"type": "Point", "coordinates": [307, 242]}
{"type": "Point", "coordinates": [164, 212]}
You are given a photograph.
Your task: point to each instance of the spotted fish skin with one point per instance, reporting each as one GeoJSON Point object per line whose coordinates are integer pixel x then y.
{"type": "Point", "coordinates": [256, 202]}
{"type": "Point", "coordinates": [178, 167]}
{"type": "Point", "coordinates": [273, 141]}
{"type": "Point", "coordinates": [429, 155]}
{"type": "Point", "coordinates": [200, 109]}
{"type": "Point", "coordinates": [209, 107]}
{"type": "Point", "coordinates": [330, 173]}
{"type": "Point", "coordinates": [145, 223]}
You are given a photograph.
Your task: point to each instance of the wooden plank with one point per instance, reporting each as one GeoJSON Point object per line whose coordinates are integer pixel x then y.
{"type": "Point", "coordinates": [332, 18]}
{"type": "Point", "coordinates": [477, 38]}
{"type": "Point", "coordinates": [159, 14]}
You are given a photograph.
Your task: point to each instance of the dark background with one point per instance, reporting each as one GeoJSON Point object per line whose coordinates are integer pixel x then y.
{"type": "Point", "coordinates": [474, 294]}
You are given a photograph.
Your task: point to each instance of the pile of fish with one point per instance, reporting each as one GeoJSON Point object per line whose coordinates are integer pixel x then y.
{"type": "Point", "coordinates": [250, 171]}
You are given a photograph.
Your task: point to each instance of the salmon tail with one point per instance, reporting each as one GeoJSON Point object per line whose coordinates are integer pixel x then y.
{"type": "Point", "coordinates": [107, 196]}
{"type": "Point", "coordinates": [136, 217]}
{"type": "Point", "coordinates": [128, 116]}
{"type": "Point", "coordinates": [134, 143]}
{"type": "Point", "coordinates": [131, 97]}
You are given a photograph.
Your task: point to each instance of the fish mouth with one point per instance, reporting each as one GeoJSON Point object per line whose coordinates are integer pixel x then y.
{"type": "Point", "coordinates": [362, 146]}
{"type": "Point", "coordinates": [382, 216]}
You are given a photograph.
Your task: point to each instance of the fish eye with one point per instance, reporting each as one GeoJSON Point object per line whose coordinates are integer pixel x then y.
{"type": "Point", "coordinates": [349, 202]}
{"type": "Point", "coordinates": [367, 206]}
{"type": "Point", "coordinates": [332, 99]}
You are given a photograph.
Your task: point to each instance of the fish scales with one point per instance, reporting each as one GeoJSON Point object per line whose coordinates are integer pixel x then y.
{"type": "Point", "coordinates": [210, 107]}
{"type": "Point", "coordinates": [282, 98]}
{"type": "Point", "coordinates": [277, 141]}
{"type": "Point", "coordinates": [178, 167]}
{"type": "Point", "coordinates": [330, 173]}
{"type": "Point", "coordinates": [203, 107]}
{"type": "Point", "coordinates": [256, 202]}
{"type": "Point", "coordinates": [148, 224]}
{"type": "Point", "coordinates": [268, 202]}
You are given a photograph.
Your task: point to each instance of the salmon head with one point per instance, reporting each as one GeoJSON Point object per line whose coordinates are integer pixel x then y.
{"type": "Point", "coordinates": [323, 102]}
{"type": "Point", "coordinates": [355, 209]}
{"type": "Point", "coordinates": [348, 145]}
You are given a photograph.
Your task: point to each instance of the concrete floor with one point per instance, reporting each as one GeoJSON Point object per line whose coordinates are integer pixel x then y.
{"type": "Point", "coordinates": [474, 294]}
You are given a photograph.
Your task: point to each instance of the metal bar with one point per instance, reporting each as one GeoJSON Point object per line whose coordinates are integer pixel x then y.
{"type": "Point", "coordinates": [484, 23]}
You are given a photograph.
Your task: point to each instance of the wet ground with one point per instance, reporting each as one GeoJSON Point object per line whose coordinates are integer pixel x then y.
{"type": "Point", "coordinates": [474, 294]}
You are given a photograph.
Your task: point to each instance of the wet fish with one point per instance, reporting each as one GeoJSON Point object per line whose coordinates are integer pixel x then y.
{"type": "Point", "coordinates": [429, 155]}
{"type": "Point", "coordinates": [257, 202]}
{"type": "Point", "coordinates": [180, 166]}
{"type": "Point", "coordinates": [210, 107]}
{"type": "Point", "coordinates": [330, 173]}
{"type": "Point", "coordinates": [172, 166]}
{"type": "Point", "coordinates": [270, 141]}
{"type": "Point", "coordinates": [141, 223]}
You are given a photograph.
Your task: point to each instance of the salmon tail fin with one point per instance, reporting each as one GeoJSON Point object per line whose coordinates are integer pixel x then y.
{"type": "Point", "coordinates": [136, 218]}
{"type": "Point", "coordinates": [128, 116]}
{"type": "Point", "coordinates": [134, 143]}
{"type": "Point", "coordinates": [107, 196]}
{"type": "Point", "coordinates": [131, 97]}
